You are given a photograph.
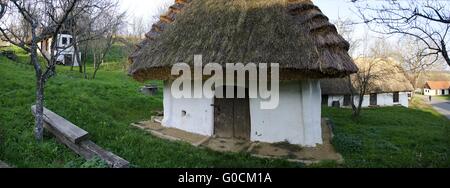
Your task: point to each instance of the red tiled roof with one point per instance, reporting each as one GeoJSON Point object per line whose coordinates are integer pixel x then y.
{"type": "Point", "coordinates": [437, 85]}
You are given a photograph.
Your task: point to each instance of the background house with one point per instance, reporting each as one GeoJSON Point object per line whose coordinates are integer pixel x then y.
{"type": "Point", "coordinates": [306, 46]}
{"type": "Point", "coordinates": [64, 50]}
{"type": "Point", "coordinates": [389, 88]}
{"type": "Point", "coordinates": [433, 88]}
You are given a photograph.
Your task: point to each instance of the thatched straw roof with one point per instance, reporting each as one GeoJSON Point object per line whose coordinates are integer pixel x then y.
{"type": "Point", "coordinates": [293, 33]}
{"type": "Point", "coordinates": [388, 77]}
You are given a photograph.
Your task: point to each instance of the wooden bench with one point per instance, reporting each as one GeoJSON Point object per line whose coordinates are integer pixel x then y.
{"type": "Point", "coordinates": [4, 165]}
{"type": "Point", "coordinates": [77, 139]}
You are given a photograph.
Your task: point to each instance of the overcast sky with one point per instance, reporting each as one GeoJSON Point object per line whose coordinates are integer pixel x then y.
{"type": "Point", "coordinates": [150, 8]}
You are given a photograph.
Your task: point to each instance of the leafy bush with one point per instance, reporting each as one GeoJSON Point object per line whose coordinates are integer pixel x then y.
{"type": "Point", "coordinates": [95, 163]}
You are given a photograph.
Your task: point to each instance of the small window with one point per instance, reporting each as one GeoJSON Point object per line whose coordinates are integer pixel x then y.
{"type": "Point", "coordinates": [64, 40]}
{"type": "Point", "coordinates": [71, 41]}
{"type": "Point", "coordinates": [396, 97]}
{"type": "Point", "coordinates": [347, 99]}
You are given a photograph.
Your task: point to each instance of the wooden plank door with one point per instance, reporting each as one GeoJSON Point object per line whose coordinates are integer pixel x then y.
{"type": "Point", "coordinates": [223, 118]}
{"type": "Point", "coordinates": [373, 99]}
{"type": "Point", "coordinates": [232, 118]}
{"type": "Point", "coordinates": [242, 125]}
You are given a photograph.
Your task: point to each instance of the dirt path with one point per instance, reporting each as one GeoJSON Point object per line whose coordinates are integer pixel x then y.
{"type": "Point", "coordinates": [441, 105]}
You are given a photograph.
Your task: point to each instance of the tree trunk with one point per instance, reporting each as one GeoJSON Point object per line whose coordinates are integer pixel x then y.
{"type": "Point", "coordinates": [84, 59]}
{"type": "Point", "coordinates": [40, 81]}
{"type": "Point", "coordinates": [39, 129]}
{"type": "Point", "coordinates": [76, 52]}
{"type": "Point", "coordinates": [97, 67]}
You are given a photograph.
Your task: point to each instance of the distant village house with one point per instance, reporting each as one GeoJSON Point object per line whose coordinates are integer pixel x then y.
{"type": "Point", "coordinates": [390, 89]}
{"type": "Point", "coordinates": [434, 88]}
{"type": "Point", "coordinates": [64, 50]}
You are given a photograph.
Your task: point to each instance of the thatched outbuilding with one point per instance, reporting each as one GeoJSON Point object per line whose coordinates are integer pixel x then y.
{"type": "Point", "coordinates": [293, 33]}
{"type": "Point", "coordinates": [388, 85]}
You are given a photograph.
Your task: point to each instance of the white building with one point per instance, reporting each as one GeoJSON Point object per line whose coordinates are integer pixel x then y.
{"type": "Point", "coordinates": [433, 88]}
{"type": "Point", "coordinates": [304, 57]}
{"type": "Point", "coordinates": [390, 89]}
{"type": "Point", "coordinates": [64, 50]}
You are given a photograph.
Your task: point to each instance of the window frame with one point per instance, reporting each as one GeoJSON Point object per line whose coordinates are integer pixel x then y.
{"type": "Point", "coordinates": [396, 97]}
{"type": "Point", "coordinates": [64, 40]}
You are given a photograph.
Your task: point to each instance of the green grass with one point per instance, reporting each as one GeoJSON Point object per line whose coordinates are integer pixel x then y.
{"type": "Point", "coordinates": [105, 107]}
{"type": "Point", "coordinates": [392, 137]}
{"type": "Point", "coordinates": [446, 97]}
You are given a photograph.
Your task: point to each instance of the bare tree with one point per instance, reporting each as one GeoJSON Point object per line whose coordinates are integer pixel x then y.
{"type": "Point", "coordinates": [370, 70]}
{"type": "Point", "coordinates": [412, 60]}
{"type": "Point", "coordinates": [346, 29]}
{"type": "Point", "coordinates": [111, 25]}
{"type": "Point", "coordinates": [427, 20]}
{"type": "Point", "coordinates": [46, 18]}
{"type": "Point", "coordinates": [138, 27]}
{"type": "Point", "coordinates": [96, 19]}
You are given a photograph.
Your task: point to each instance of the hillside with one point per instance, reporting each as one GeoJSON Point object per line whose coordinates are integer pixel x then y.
{"type": "Point", "coordinates": [106, 106]}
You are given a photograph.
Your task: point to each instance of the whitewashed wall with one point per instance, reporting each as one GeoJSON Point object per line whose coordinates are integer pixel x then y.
{"type": "Point", "coordinates": [296, 120]}
{"type": "Point", "coordinates": [62, 52]}
{"type": "Point", "coordinates": [431, 92]}
{"type": "Point", "coordinates": [383, 99]}
{"type": "Point", "coordinates": [199, 116]}
{"type": "Point", "coordinates": [404, 99]}
{"type": "Point", "coordinates": [334, 98]}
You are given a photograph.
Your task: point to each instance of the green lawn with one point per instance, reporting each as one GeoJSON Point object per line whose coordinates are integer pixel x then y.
{"type": "Point", "coordinates": [446, 97]}
{"type": "Point", "coordinates": [393, 137]}
{"type": "Point", "coordinates": [105, 107]}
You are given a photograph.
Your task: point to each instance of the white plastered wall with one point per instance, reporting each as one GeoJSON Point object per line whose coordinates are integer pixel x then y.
{"type": "Point", "coordinates": [192, 115]}
{"type": "Point", "coordinates": [297, 118]}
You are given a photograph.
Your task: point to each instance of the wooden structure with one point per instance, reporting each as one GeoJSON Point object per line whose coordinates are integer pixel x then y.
{"type": "Point", "coordinates": [77, 139]}
{"type": "Point", "coordinates": [149, 90]}
{"type": "Point", "coordinates": [232, 117]}
{"type": "Point", "coordinates": [294, 34]}
{"type": "Point", "coordinates": [4, 165]}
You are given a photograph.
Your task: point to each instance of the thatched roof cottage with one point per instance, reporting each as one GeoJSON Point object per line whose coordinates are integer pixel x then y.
{"type": "Point", "coordinates": [293, 33]}
{"type": "Point", "coordinates": [388, 86]}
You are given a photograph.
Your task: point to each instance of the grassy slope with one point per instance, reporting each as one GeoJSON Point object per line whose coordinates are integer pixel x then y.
{"type": "Point", "coordinates": [105, 107]}
{"type": "Point", "coordinates": [386, 137]}
{"type": "Point", "coordinates": [393, 137]}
